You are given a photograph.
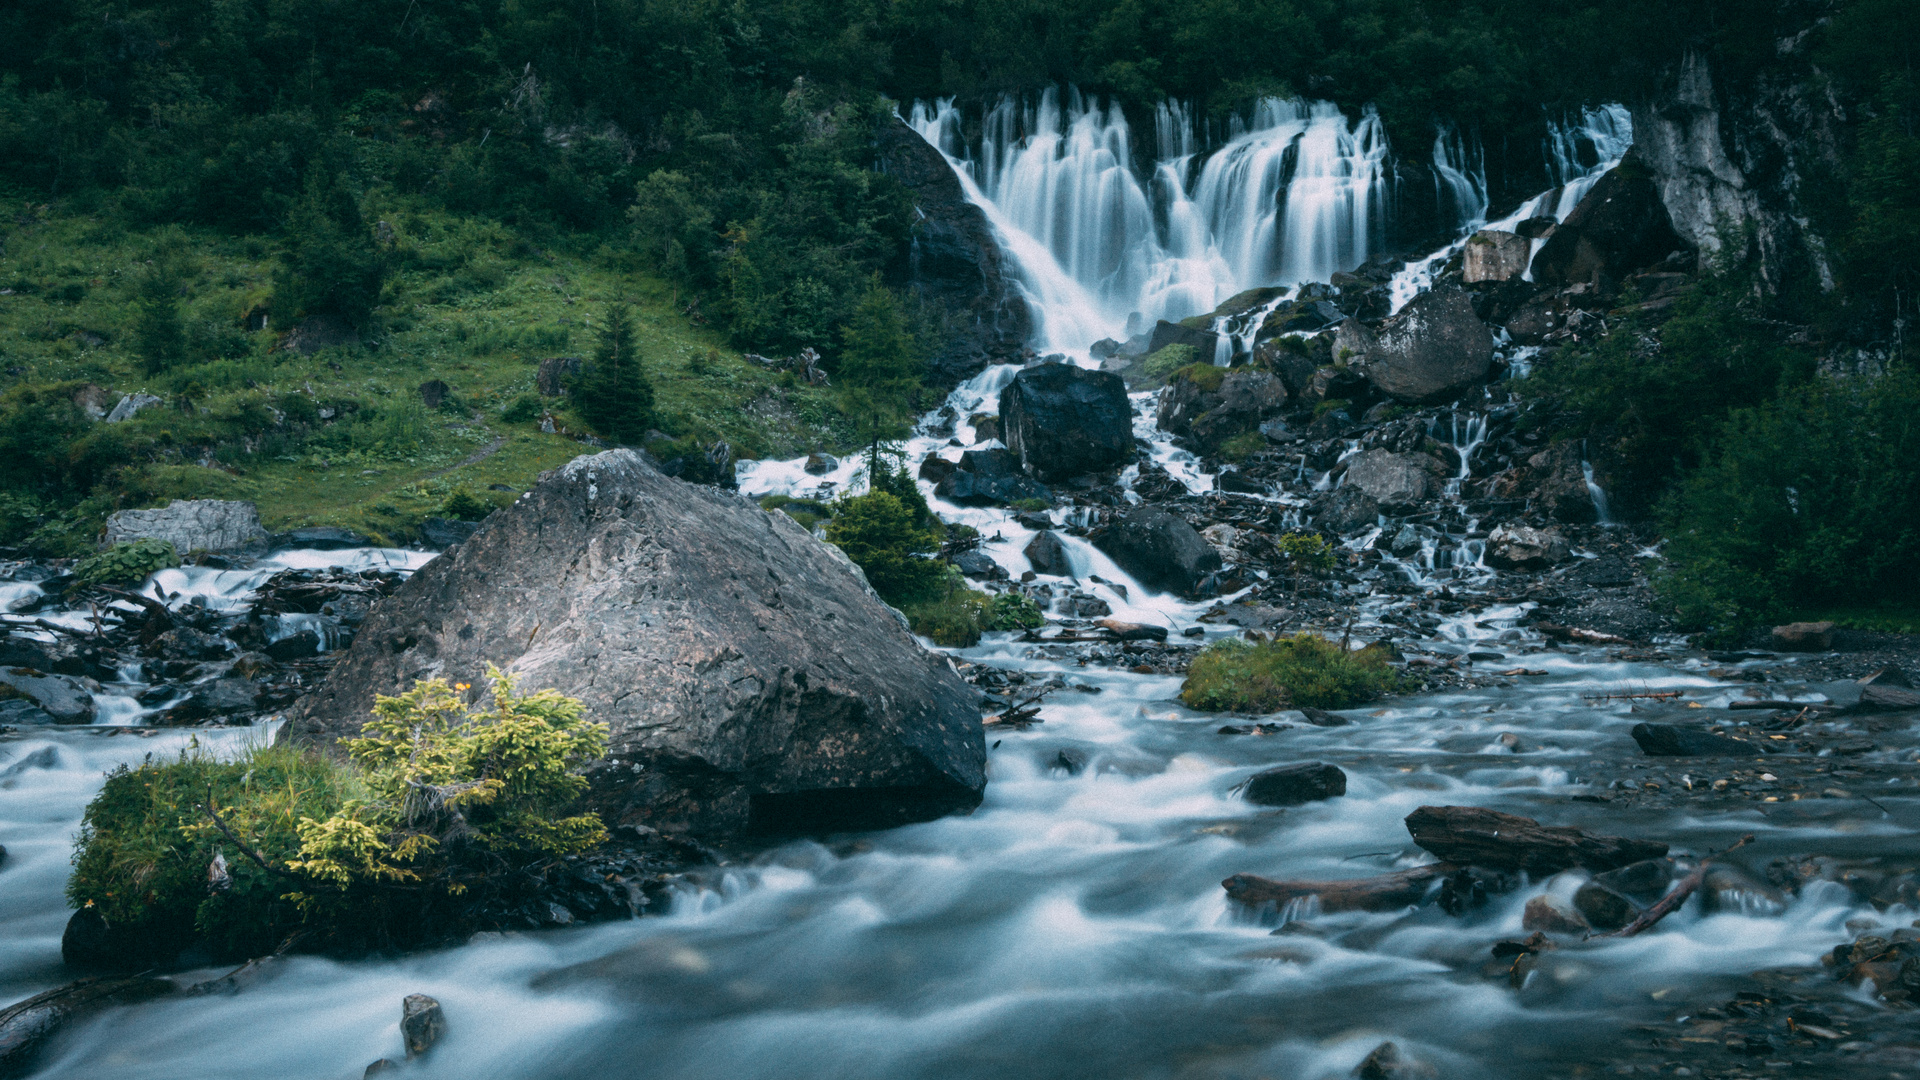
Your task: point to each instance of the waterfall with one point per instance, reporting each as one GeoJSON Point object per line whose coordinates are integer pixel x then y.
{"type": "Point", "coordinates": [1295, 193]}
{"type": "Point", "coordinates": [1460, 177]}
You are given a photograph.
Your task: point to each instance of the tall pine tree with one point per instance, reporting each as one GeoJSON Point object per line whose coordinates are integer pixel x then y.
{"type": "Point", "coordinates": [613, 394]}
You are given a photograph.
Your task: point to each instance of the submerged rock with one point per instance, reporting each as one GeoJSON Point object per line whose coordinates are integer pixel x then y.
{"type": "Point", "coordinates": [1064, 421]}
{"type": "Point", "coordinates": [1666, 740]}
{"type": "Point", "coordinates": [1291, 785]}
{"type": "Point", "coordinates": [26, 1026]}
{"type": "Point", "coordinates": [751, 678]}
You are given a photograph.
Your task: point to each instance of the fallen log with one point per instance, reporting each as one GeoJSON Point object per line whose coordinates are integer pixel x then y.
{"type": "Point", "coordinates": [1384, 893]}
{"type": "Point", "coordinates": [1475, 836]}
{"type": "Point", "coordinates": [1671, 902]}
{"type": "Point", "coordinates": [26, 1026]}
{"type": "Point", "coordinates": [1575, 633]}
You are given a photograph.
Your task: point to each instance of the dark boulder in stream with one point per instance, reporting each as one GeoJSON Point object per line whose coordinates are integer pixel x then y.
{"type": "Point", "coordinates": [1161, 550]}
{"type": "Point", "coordinates": [752, 680]}
{"type": "Point", "coordinates": [1063, 421]}
{"type": "Point", "coordinates": [1666, 740]}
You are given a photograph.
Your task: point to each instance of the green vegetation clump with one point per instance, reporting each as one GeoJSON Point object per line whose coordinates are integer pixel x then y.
{"type": "Point", "coordinates": [1808, 502]}
{"type": "Point", "coordinates": [1305, 553]}
{"type": "Point", "coordinates": [1242, 446]}
{"type": "Point", "coordinates": [126, 564]}
{"type": "Point", "coordinates": [439, 810]}
{"type": "Point", "coordinates": [884, 537]}
{"type": "Point", "coordinates": [1013, 611]}
{"type": "Point", "coordinates": [1206, 376]}
{"type": "Point", "coordinates": [955, 618]}
{"type": "Point", "coordinates": [463, 505]}
{"type": "Point", "coordinates": [1303, 671]}
{"type": "Point", "coordinates": [1167, 360]}
{"type": "Point", "coordinates": [808, 512]}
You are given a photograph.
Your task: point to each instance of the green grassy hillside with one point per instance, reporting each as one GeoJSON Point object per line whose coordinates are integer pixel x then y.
{"type": "Point", "coordinates": [338, 437]}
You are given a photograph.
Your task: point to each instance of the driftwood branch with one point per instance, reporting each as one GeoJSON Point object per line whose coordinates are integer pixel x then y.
{"type": "Point", "coordinates": [1671, 902]}
{"type": "Point", "coordinates": [245, 849]}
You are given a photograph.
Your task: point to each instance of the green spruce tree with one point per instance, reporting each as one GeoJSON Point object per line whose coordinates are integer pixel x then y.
{"type": "Point", "coordinates": [159, 338]}
{"type": "Point", "coordinates": [331, 265]}
{"type": "Point", "coordinates": [613, 395]}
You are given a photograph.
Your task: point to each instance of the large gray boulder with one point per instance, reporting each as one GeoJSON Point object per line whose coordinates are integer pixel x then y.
{"type": "Point", "coordinates": [751, 678]}
{"type": "Point", "coordinates": [191, 525]}
{"type": "Point", "coordinates": [1160, 550]}
{"type": "Point", "coordinates": [1399, 483]}
{"type": "Point", "coordinates": [1064, 421]}
{"type": "Point", "coordinates": [63, 698]}
{"type": "Point", "coordinates": [1435, 348]}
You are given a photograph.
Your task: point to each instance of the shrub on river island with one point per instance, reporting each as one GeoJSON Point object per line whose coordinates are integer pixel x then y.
{"type": "Point", "coordinates": [435, 814]}
{"type": "Point", "coordinates": [126, 564]}
{"type": "Point", "coordinates": [1303, 671]}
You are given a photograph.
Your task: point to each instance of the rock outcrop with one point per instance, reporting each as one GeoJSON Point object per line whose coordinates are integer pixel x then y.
{"type": "Point", "coordinates": [955, 262]}
{"type": "Point", "coordinates": [1399, 483]}
{"type": "Point", "coordinates": [1065, 421]}
{"type": "Point", "coordinates": [1436, 347]}
{"type": "Point", "coordinates": [986, 478]}
{"type": "Point", "coordinates": [191, 525]}
{"type": "Point", "coordinates": [752, 680]}
{"type": "Point", "coordinates": [1211, 405]}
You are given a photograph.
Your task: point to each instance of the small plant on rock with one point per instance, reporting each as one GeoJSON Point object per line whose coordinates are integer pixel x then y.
{"type": "Point", "coordinates": [1303, 671]}
{"type": "Point", "coordinates": [1304, 553]}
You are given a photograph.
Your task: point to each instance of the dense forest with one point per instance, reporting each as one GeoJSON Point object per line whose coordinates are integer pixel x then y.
{"type": "Point", "coordinates": [189, 182]}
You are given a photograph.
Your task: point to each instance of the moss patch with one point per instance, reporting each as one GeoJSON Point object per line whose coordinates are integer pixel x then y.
{"type": "Point", "coordinates": [1303, 671]}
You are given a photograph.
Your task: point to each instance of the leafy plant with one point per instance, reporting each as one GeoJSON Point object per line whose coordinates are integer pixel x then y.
{"type": "Point", "coordinates": [1014, 611]}
{"type": "Point", "coordinates": [1305, 553]}
{"type": "Point", "coordinates": [523, 409]}
{"type": "Point", "coordinates": [1169, 359]}
{"type": "Point", "coordinates": [880, 534]}
{"type": "Point", "coordinates": [1242, 446]}
{"type": "Point", "coordinates": [127, 564]}
{"type": "Point", "coordinates": [954, 619]}
{"type": "Point", "coordinates": [463, 505]}
{"type": "Point", "coordinates": [1305, 670]}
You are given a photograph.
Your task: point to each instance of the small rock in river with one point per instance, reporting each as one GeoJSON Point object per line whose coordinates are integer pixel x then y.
{"type": "Point", "coordinates": [1603, 908]}
{"type": "Point", "coordinates": [1666, 740]}
{"type": "Point", "coordinates": [421, 1023]}
{"type": "Point", "coordinates": [1291, 785]}
{"type": "Point", "coordinates": [1548, 913]}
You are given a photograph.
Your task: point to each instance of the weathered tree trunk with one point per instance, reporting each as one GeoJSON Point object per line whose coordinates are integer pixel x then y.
{"type": "Point", "coordinates": [1475, 836]}
{"type": "Point", "coordinates": [1384, 893]}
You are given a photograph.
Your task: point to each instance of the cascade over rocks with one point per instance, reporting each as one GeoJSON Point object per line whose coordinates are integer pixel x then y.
{"type": "Point", "coordinates": [751, 679]}
{"type": "Point", "coordinates": [1160, 550]}
{"type": "Point", "coordinates": [1064, 421]}
{"type": "Point", "coordinates": [1435, 348]}
{"type": "Point", "coordinates": [955, 261]}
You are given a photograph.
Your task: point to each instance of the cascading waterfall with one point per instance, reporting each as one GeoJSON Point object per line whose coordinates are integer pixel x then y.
{"type": "Point", "coordinates": [1296, 193]}
{"type": "Point", "coordinates": [1460, 177]}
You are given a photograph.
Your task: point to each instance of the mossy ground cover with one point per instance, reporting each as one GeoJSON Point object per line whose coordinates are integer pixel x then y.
{"type": "Point", "coordinates": [339, 437]}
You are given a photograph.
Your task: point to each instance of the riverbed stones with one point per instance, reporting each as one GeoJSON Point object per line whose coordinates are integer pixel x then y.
{"type": "Point", "coordinates": [1292, 785]}
{"type": "Point", "coordinates": [191, 525]}
{"type": "Point", "coordinates": [751, 679]}
{"type": "Point", "coordinates": [1063, 421]}
{"type": "Point", "coordinates": [1346, 510]}
{"type": "Point", "coordinates": [1159, 549]}
{"type": "Point", "coordinates": [1476, 836]}
{"type": "Point", "coordinates": [1433, 349]}
{"type": "Point", "coordinates": [1603, 908]}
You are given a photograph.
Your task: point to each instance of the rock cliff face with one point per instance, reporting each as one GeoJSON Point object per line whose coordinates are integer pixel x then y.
{"type": "Point", "coordinates": [752, 680]}
{"type": "Point", "coordinates": [956, 263]}
{"type": "Point", "coordinates": [1743, 156]}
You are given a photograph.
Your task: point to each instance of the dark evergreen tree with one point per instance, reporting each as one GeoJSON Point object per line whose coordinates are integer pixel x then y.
{"type": "Point", "coordinates": [613, 394]}
{"type": "Point", "coordinates": [159, 338]}
{"type": "Point", "coordinates": [331, 265]}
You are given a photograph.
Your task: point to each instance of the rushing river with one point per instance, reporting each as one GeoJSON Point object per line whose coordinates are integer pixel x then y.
{"type": "Point", "coordinates": [1074, 925]}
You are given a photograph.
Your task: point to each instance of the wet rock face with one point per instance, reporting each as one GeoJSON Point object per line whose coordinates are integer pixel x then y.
{"type": "Point", "coordinates": [191, 525]}
{"type": "Point", "coordinates": [1160, 550]}
{"type": "Point", "coordinates": [751, 679]}
{"type": "Point", "coordinates": [1064, 421]}
{"type": "Point", "coordinates": [1435, 348]}
{"type": "Point", "coordinates": [1291, 785]}
{"type": "Point", "coordinates": [1495, 256]}
{"type": "Point", "coordinates": [1619, 227]}
{"type": "Point", "coordinates": [1048, 555]}
{"type": "Point", "coordinates": [1518, 547]}
{"type": "Point", "coordinates": [955, 261]}
{"type": "Point", "coordinates": [1237, 404]}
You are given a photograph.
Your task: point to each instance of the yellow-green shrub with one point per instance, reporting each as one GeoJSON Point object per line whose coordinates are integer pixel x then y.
{"type": "Point", "coordinates": [1302, 671]}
